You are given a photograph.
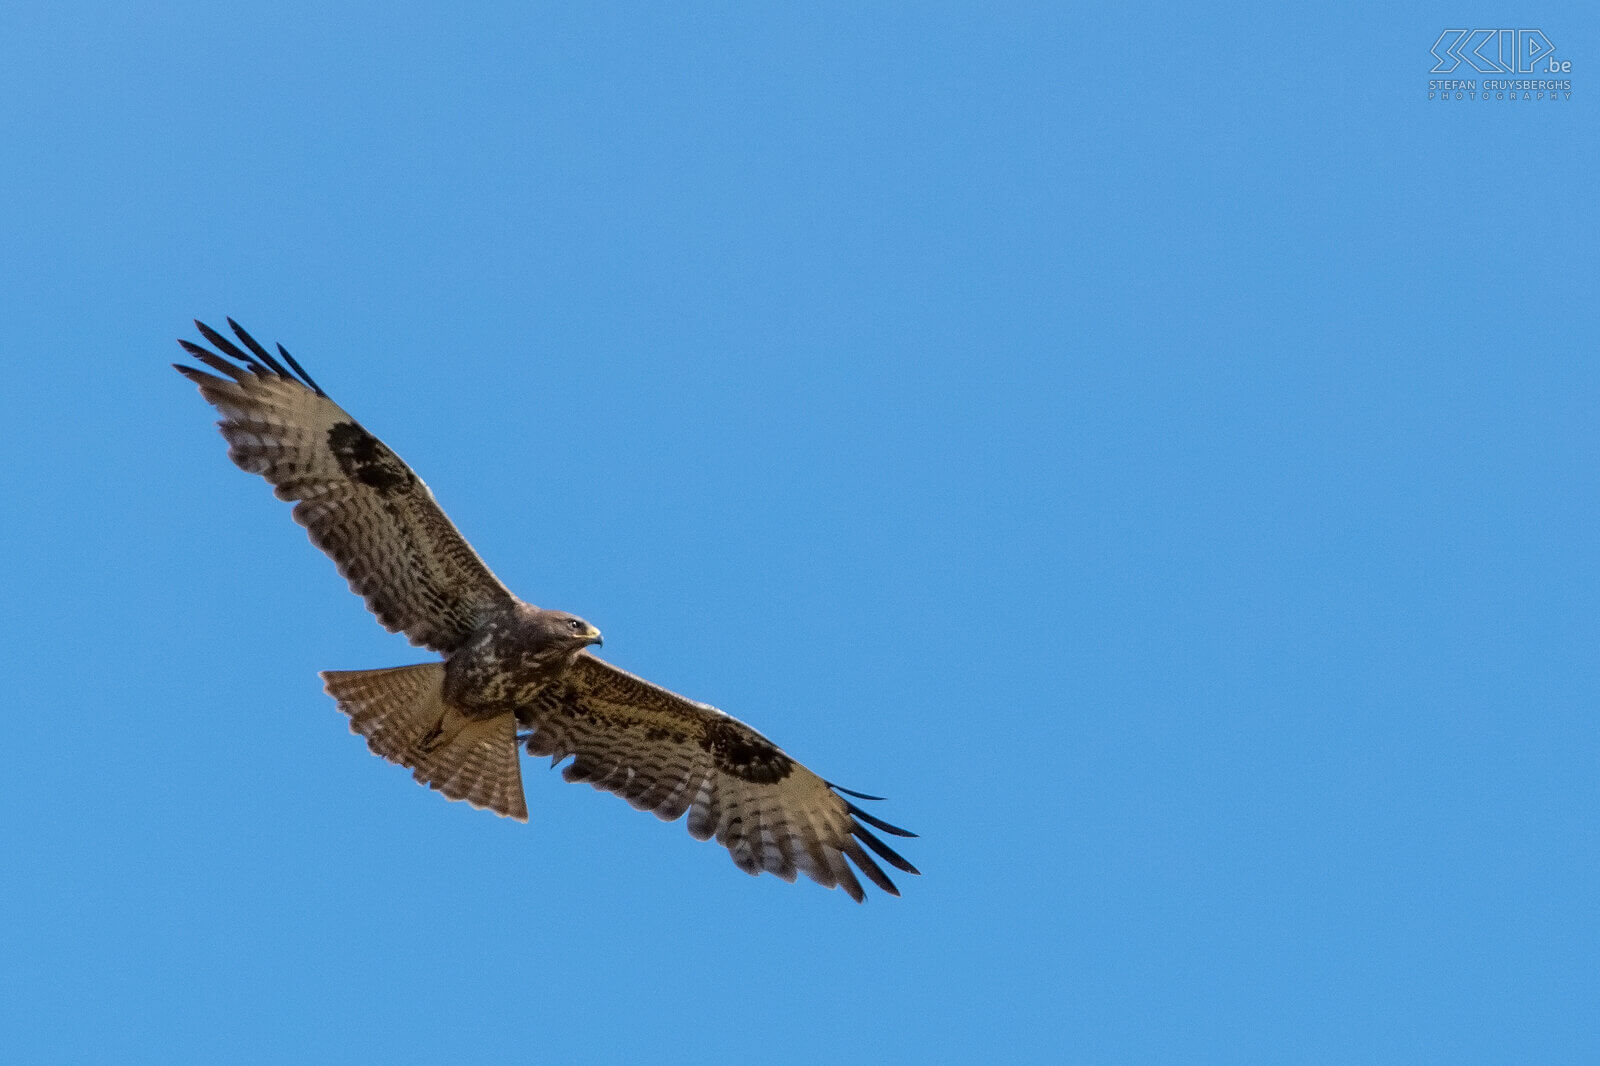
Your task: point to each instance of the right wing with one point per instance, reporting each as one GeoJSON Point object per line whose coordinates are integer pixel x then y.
{"type": "Point", "coordinates": [358, 501]}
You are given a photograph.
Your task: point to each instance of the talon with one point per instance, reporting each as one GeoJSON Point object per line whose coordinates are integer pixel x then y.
{"type": "Point", "coordinates": [433, 739]}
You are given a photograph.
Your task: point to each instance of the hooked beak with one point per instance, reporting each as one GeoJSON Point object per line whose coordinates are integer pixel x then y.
{"type": "Point", "coordinates": [595, 638]}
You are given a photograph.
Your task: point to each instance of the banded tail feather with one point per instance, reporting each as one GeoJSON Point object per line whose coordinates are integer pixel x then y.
{"type": "Point", "coordinates": [402, 713]}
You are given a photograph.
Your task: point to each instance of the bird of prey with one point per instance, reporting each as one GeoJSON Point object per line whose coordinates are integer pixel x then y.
{"type": "Point", "coordinates": [512, 674]}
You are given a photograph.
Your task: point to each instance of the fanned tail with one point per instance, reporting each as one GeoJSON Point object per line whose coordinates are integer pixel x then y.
{"type": "Point", "coordinates": [402, 712]}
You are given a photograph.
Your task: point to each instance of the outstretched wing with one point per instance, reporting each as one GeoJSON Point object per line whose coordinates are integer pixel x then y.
{"type": "Point", "coordinates": [666, 754]}
{"type": "Point", "coordinates": [358, 501]}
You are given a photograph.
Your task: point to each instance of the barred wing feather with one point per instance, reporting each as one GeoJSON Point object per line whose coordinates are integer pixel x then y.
{"type": "Point", "coordinates": [670, 755]}
{"type": "Point", "coordinates": [358, 501]}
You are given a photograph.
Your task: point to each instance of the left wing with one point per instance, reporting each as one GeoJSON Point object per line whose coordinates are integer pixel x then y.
{"type": "Point", "coordinates": [667, 754]}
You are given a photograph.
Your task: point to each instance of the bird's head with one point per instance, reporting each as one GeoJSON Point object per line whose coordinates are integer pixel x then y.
{"type": "Point", "coordinates": [568, 630]}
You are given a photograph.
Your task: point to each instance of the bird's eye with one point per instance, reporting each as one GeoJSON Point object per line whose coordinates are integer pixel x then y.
{"type": "Point", "coordinates": [575, 625]}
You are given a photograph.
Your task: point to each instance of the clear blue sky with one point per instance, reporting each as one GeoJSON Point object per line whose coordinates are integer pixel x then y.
{"type": "Point", "coordinates": [1154, 447]}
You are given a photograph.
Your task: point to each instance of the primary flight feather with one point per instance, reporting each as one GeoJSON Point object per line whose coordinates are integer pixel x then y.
{"type": "Point", "coordinates": [513, 674]}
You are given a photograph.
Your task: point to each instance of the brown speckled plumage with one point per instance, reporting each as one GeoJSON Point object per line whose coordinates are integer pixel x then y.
{"type": "Point", "coordinates": [512, 673]}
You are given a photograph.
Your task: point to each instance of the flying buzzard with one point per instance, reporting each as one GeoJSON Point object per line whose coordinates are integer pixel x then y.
{"type": "Point", "coordinates": [512, 673]}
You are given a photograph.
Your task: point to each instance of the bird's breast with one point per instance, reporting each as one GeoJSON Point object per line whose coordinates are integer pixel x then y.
{"type": "Point", "coordinates": [498, 670]}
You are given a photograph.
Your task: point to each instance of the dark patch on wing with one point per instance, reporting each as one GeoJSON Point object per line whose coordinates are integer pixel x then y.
{"type": "Point", "coordinates": [740, 751]}
{"type": "Point", "coordinates": [367, 459]}
{"type": "Point", "coordinates": [672, 756]}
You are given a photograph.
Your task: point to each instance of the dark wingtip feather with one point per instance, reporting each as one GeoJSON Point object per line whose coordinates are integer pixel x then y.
{"type": "Point", "coordinates": [884, 851]}
{"type": "Point", "coordinates": [230, 349]}
{"type": "Point", "coordinates": [876, 822]}
{"type": "Point", "coordinates": [217, 363]}
{"type": "Point", "coordinates": [298, 369]}
{"type": "Point", "coordinates": [199, 377]}
{"type": "Point", "coordinates": [256, 359]}
{"type": "Point", "coordinates": [260, 352]}
{"type": "Point", "coordinates": [873, 871]}
{"type": "Point", "coordinates": [852, 792]}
